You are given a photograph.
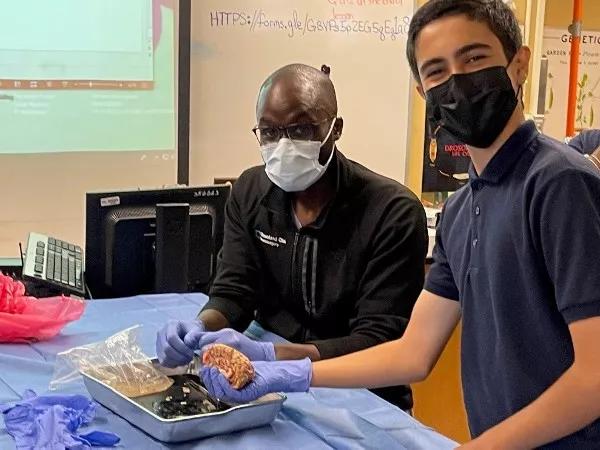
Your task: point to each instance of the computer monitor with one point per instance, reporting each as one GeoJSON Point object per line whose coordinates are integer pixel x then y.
{"type": "Point", "coordinates": [120, 238]}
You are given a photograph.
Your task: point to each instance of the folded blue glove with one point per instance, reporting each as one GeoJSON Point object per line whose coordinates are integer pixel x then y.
{"type": "Point", "coordinates": [254, 350]}
{"type": "Point", "coordinates": [51, 423]}
{"type": "Point", "coordinates": [171, 348]}
{"type": "Point", "coordinates": [276, 376]}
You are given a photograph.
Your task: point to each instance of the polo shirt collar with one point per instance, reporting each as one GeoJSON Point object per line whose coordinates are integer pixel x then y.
{"type": "Point", "coordinates": [507, 155]}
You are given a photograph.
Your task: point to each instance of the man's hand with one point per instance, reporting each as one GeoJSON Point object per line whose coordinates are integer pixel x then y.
{"type": "Point", "coordinates": [275, 376]}
{"type": "Point", "coordinates": [175, 342]}
{"type": "Point", "coordinates": [254, 350]}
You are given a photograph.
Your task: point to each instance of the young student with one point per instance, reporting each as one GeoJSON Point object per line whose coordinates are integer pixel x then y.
{"type": "Point", "coordinates": [515, 256]}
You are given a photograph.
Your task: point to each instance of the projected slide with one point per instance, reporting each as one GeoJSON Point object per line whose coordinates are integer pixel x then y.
{"type": "Point", "coordinates": [94, 75]}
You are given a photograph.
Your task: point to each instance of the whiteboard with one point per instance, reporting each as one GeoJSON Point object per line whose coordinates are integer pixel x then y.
{"type": "Point", "coordinates": [237, 44]}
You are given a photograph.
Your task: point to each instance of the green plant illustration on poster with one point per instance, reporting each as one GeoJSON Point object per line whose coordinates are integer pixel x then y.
{"type": "Point", "coordinates": [585, 94]}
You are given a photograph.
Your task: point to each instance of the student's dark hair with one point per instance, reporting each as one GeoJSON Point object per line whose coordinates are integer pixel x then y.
{"type": "Point", "coordinates": [495, 13]}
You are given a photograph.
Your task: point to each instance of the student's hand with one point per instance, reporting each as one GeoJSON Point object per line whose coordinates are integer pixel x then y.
{"type": "Point", "coordinates": [173, 342]}
{"type": "Point", "coordinates": [276, 376]}
{"type": "Point", "coordinates": [254, 350]}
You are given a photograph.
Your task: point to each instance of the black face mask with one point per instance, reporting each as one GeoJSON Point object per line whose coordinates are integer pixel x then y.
{"type": "Point", "coordinates": [473, 107]}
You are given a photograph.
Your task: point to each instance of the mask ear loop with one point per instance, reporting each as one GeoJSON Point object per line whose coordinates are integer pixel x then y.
{"type": "Point", "coordinates": [329, 132]}
{"type": "Point", "coordinates": [333, 146]}
{"type": "Point", "coordinates": [519, 89]}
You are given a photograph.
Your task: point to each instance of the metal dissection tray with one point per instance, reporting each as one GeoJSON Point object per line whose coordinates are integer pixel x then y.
{"type": "Point", "coordinates": [139, 412]}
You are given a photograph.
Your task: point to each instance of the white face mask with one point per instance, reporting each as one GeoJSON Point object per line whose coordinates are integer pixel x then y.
{"type": "Point", "coordinates": [294, 165]}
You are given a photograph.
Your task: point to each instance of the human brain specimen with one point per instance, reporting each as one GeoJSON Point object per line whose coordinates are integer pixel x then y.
{"type": "Point", "coordinates": [234, 365]}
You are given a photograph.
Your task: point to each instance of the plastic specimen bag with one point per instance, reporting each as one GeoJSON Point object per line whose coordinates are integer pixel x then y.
{"type": "Point", "coordinates": [118, 362]}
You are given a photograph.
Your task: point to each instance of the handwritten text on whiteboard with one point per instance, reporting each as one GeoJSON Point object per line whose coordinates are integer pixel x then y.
{"type": "Point", "coordinates": [297, 25]}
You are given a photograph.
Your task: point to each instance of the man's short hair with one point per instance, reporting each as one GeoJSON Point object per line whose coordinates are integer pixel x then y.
{"type": "Point", "coordinates": [495, 13]}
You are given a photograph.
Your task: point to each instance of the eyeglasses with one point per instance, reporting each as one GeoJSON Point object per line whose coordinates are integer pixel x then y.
{"type": "Point", "coordinates": [299, 132]}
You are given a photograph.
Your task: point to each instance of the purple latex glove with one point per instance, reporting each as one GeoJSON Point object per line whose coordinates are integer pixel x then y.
{"type": "Point", "coordinates": [275, 376]}
{"type": "Point", "coordinates": [254, 350]}
{"type": "Point", "coordinates": [171, 339]}
{"type": "Point", "coordinates": [51, 422]}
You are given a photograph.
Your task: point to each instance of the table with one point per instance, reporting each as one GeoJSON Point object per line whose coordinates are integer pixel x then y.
{"type": "Point", "coordinates": [320, 419]}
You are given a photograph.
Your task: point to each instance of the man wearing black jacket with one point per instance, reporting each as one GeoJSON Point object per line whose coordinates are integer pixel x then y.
{"type": "Point", "coordinates": [317, 248]}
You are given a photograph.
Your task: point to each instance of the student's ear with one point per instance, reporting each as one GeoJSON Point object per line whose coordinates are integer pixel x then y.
{"type": "Point", "coordinates": [521, 62]}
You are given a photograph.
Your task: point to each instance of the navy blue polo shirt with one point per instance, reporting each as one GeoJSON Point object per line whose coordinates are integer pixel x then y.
{"type": "Point", "coordinates": [518, 247]}
{"type": "Point", "coordinates": [586, 142]}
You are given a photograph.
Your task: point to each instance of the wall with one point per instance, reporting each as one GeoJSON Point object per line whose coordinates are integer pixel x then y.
{"type": "Point", "coordinates": [32, 200]}
{"type": "Point", "coordinates": [559, 14]}
{"type": "Point", "coordinates": [371, 76]}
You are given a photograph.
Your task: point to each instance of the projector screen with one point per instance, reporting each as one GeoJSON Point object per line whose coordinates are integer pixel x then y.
{"type": "Point", "coordinates": [88, 101]}
{"type": "Point", "coordinates": [94, 75]}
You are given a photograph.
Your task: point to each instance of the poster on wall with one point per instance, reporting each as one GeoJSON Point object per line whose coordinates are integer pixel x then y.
{"type": "Point", "coordinates": [445, 162]}
{"type": "Point", "coordinates": [557, 49]}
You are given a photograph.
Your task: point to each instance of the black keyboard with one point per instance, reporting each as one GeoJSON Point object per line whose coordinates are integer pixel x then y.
{"type": "Point", "coordinates": [55, 262]}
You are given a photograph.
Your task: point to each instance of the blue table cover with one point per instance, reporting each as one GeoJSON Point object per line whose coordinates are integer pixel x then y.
{"type": "Point", "coordinates": [320, 419]}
